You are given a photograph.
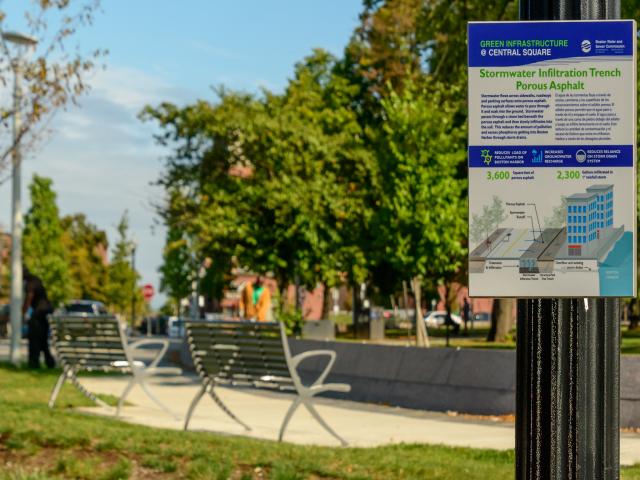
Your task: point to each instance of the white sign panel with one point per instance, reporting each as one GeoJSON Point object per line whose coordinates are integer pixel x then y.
{"type": "Point", "coordinates": [552, 147]}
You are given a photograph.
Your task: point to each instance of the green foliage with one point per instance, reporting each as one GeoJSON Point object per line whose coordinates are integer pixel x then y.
{"type": "Point", "coordinates": [177, 268]}
{"type": "Point", "coordinates": [122, 280]}
{"type": "Point", "coordinates": [44, 252]}
{"type": "Point", "coordinates": [292, 320]}
{"type": "Point", "coordinates": [86, 246]}
{"type": "Point", "coordinates": [421, 221]}
{"type": "Point", "coordinates": [306, 218]}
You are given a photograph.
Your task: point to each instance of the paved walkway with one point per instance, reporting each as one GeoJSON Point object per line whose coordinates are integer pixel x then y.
{"type": "Point", "coordinates": [362, 425]}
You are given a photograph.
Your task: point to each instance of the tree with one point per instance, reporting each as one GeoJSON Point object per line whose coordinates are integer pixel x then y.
{"type": "Point", "coordinates": [442, 32]}
{"type": "Point", "coordinates": [497, 213]}
{"type": "Point", "coordinates": [44, 252]}
{"type": "Point", "coordinates": [490, 219]}
{"type": "Point", "coordinates": [421, 219]}
{"type": "Point", "coordinates": [558, 216]}
{"type": "Point", "coordinates": [277, 182]}
{"type": "Point", "coordinates": [177, 269]}
{"type": "Point", "coordinates": [479, 228]}
{"type": "Point", "coordinates": [385, 48]}
{"type": "Point", "coordinates": [307, 218]}
{"type": "Point", "coordinates": [86, 248]}
{"type": "Point", "coordinates": [501, 319]}
{"type": "Point", "coordinates": [54, 76]}
{"type": "Point", "coordinates": [122, 280]}
{"type": "Point", "coordinates": [205, 210]}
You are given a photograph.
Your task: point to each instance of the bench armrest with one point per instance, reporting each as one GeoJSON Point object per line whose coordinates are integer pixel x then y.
{"type": "Point", "coordinates": [297, 359]}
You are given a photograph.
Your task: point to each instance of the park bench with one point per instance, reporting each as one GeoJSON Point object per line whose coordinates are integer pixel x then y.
{"type": "Point", "coordinates": [99, 343]}
{"type": "Point", "coordinates": [255, 355]}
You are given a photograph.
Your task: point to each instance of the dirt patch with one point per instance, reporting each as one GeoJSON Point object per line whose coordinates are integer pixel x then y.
{"type": "Point", "coordinates": [75, 463]}
{"type": "Point", "coordinates": [509, 418]}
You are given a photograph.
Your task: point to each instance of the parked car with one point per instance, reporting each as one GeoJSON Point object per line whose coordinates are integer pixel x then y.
{"type": "Point", "coordinates": [92, 307]}
{"type": "Point", "coordinates": [482, 317]}
{"type": "Point", "coordinates": [437, 318]}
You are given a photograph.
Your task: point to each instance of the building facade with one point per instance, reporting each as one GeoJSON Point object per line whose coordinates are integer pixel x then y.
{"type": "Point", "coordinates": [604, 205]}
{"type": "Point", "coordinates": [587, 214]}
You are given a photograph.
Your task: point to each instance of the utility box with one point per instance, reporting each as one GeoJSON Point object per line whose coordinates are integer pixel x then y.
{"type": "Point", "coordinates": [319, 330]}
{"type": "Point", "coordinates": [376, 328]}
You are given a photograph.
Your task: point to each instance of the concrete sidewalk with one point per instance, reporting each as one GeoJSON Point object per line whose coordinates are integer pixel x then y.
{"type": "Point", "coordinates": [362, 425]}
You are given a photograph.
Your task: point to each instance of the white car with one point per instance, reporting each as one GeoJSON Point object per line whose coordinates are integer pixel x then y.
{"type": "Point", "coordinates": [437, 318]}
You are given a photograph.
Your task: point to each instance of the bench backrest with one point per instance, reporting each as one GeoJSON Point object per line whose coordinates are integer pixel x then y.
{"type": "Point", "coordinates": [89, 342]}
{"type": "Point", "coordinates": [241, 353]}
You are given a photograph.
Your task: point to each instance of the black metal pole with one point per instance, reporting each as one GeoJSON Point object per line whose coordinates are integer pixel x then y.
{"type": "Point", "coordinates": [568, 353]}
{"type": "Point", "coordinates": [447, 335]}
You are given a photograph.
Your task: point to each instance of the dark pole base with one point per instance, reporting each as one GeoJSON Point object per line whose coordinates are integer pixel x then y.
{"type": "Point", "coordinates": [568, 357]}
{"type": "Point", "coordinates": [567, 414]}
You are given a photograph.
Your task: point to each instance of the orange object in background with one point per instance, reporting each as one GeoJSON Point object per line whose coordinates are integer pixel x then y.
{"type": "Point", "coordinates": [247, 310]}
{"type": "Point", "coordinates": [263, 305]}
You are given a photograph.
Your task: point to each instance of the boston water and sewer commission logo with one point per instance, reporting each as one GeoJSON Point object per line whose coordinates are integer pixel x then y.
{"type": "Point", "coordinates": [585, 46]}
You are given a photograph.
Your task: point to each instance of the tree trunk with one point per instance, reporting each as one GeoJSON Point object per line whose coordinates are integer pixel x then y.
{"type": "Point", "coordinates": [298, 296]}
{"type": "Point", "coordinates": [633, 314]}
{"type": "Point", "coordinates": [326, 303]}
{"type": "Point", "coordinates": [422, 339]}
{"type": "Point", "coordinates": [501, 319]}
{"type": "Point", "coordinates": [355, 309]}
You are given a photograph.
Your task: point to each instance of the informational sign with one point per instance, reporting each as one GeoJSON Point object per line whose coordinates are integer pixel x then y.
{"type": "Point", "coordinates": [552, 147]}
{"type": "Point", "coordinates": [148, 292]}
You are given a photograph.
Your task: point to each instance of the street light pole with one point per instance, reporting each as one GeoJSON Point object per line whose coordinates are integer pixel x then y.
{"type": "Point", "coordinates": [195, 288]}
{"type": "Point", "coordinates": [16, 225]}
{"type": "Point", "coordinates": [16, 200]}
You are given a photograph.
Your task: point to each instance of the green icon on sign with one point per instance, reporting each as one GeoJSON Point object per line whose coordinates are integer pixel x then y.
{"type": "Point", "coordinates": [485, 156]}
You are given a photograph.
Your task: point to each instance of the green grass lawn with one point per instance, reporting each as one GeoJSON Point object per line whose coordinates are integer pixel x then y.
{"type": "Point", "coordinates": [37, 443]}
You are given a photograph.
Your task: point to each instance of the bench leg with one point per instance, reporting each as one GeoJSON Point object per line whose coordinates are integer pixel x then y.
{"type": "Point", "coordinates": [194, 402]}
{"type": "Point", "coordinates": [224, 408]}
{"type": "Point", "coordinates": [58, 386]}
{"type": "Point", "coordinates": [312, 410]}
{"type": "Point", "coordinates": [86, 392]}
{"type": "Point", "coordinates": [294, 406]}
{"type": "Point", "coordinates": [155, 399]}
{"type": "Point", "coordinates": [124, 395]}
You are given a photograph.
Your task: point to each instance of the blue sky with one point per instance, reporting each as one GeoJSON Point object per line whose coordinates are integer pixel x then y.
{"type": "Point", "coordinates": [101, 158]}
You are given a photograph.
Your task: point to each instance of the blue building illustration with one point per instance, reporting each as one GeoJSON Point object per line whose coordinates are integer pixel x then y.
{"type": "Point", "coordinates": [587, 214]}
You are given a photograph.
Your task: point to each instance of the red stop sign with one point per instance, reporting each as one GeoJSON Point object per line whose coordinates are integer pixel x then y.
{"type": "Point", "coordinates": [148, 291]}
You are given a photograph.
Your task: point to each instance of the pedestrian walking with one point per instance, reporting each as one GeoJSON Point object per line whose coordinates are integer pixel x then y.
{"type": "Point", "coordinates": [37, 303]}
{"type": "Point", "coordinates": [466, 310]}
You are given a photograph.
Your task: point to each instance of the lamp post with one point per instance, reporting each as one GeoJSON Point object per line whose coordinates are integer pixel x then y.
{"type": "Point", "coordinates": [23, 42]}
{"type": "Point", "coordinates": [195, 288]}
